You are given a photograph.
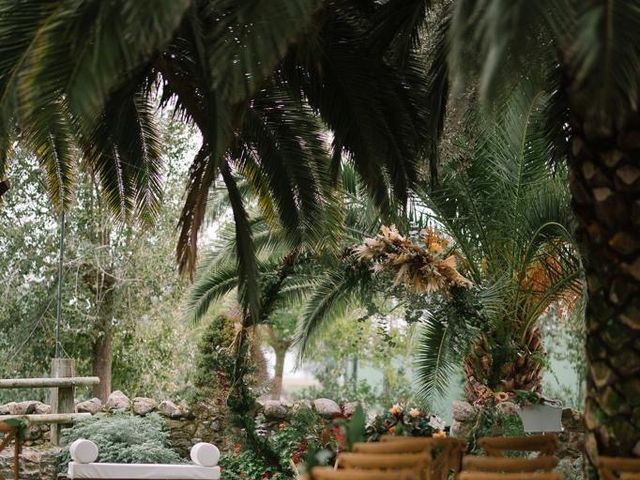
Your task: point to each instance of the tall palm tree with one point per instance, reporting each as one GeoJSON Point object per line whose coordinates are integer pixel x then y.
{"type": "Point", "coordinates": [592, 50]}
{"type": "Point", "coordinates": [590, 53]}
{"type": "Point", "coordinates": [500, 219]}
{"type": "Point", "coordinates": [80, 79]}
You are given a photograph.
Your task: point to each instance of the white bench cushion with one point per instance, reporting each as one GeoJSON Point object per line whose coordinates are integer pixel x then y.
{"type": "Point", "coordinates": [115, 471]}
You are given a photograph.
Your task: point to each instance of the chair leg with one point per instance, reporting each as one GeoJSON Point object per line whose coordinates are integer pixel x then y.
{"type": "Point", "coordinates": [16, 458]}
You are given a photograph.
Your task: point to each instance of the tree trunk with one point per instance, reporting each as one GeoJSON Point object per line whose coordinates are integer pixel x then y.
{"type": "Point", "coordinates": [276, 387]}
{"type": "Point", "coordinates": [101, 363]}
{"type": "Point", "coordinates": [605, 185]}
{"type": "Point", "coordinates": [488, 367]}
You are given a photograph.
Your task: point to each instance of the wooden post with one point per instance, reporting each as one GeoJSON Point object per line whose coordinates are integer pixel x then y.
{"type": "Point", "coordinates": [62, 398]}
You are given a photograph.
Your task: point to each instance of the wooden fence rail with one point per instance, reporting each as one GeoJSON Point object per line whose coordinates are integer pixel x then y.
{"type": "Point", "coordinates": [48, 382]}
{"type": "Point", "coordinates": [62, 384]}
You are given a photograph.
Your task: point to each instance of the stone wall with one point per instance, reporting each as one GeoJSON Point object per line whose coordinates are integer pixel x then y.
{"type": "Point", "coordinates": [36, 463]}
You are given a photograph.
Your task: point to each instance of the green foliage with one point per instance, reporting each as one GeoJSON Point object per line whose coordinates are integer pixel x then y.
{"type": "Point", "coordinates": [491, 422]}
{"type": "Point", "coordinates": [140, 314]}
{"type": "Point", "coordinates": [305, 431]}
{"type": "Point", "coordinates": [216, 358]}
{"type": "Point", "coordinates": [355, 427]}
{"type": "Point", "coordinates": [123, 438]}
{"type": "Point", "coordinates": [247, 465]}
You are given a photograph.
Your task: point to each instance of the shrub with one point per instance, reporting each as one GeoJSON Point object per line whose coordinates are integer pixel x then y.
{"type": "Point", "coordinates": [123, 438]}
{"type": "Point", "coordinates": [305, 431]}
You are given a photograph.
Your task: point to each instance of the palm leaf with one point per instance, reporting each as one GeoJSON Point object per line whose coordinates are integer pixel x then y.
{"type": "Point", "coordinates": [434, 362]}
{"type": "Point", "coordinates": [248, 290]}
{"type": "Point", "coordinates": [330, 299]}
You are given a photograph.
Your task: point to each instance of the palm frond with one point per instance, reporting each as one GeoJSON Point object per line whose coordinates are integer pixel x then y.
{"type": "Point", "coordinates": [373, 107]}
{"type": "Point", "coordinates": [123, 149]}
{"type": "Point", "coordinates": [208, 289]}
{"type": "Point", "coordinates": [288, 163]}
{"type": "Point", "coordinates": [397, 25]}
{"type": "Point", "coordinates": [517, 36]}
{"type": "Point", "coordinates": [606, 60]}
{"type": "Point", "coordinates": [110, 42]}
{"type": "Point", "coordinates": [330, 299]}
{"type": "Point", "coordinates": [248, 289]}
{"type": "Point", "coordinates": [435, 364]}
{"type": "Point", "coordinates": [50, 137]}
{"type": "Point", "coordinates": [201, 176]}
{"type": "Point", "coordinates": [246, 40]}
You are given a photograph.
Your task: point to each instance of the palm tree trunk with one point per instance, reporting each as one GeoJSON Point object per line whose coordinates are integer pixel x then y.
{"type": "Point", "coordinates": [492, 365]}
{"type": "Point", "coordinates": [605, 184]}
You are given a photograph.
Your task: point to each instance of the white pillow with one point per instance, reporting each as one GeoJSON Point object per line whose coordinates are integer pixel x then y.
{"type": "Point", "coordinates": [205, 454]}
{"type": "Point", "coordinates": [83, 451]}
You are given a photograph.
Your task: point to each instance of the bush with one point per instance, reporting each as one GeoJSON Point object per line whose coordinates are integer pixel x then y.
{"type": "Point", "coordinates": [123, 438]}
{"type": "Point", "coordinates": [305, 431]}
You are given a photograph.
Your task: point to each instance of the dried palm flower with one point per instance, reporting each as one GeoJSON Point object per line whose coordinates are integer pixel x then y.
{"type": "Point", "coordinates": [428, 269]}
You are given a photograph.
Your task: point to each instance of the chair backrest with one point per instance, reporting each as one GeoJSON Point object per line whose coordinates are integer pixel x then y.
{"type": "Point", "coordinates": [502, 464]}
{"type": "Point", "coordinates": [441, 454]}
{"type": "Point", "coordinates": [404, 445]}
{"type": "Point", "coordinates": [614, 468]}
{"type": "Point", "coordinates": [382, 461]}
{"type": "Point", "coordinates": [510, 476]}
{"type": "Point", "coordinates": [495, 446]}
{"type": "Point", "coordinates": [329, 473]}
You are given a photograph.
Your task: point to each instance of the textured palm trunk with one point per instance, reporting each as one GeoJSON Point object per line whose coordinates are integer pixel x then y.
{"type": "Point", "coordinates": [503, 368]}
{"type": "Point", "coordinates": [605, 184]}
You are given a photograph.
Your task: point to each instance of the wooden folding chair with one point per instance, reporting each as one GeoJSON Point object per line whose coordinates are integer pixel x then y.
{"type": "Point", "coordinates": [382, 461]}
{"type": "Point", "coordinates": [402, 445]}
{"type": "Point", "coordinates": [329, 473]}
{"type": "Point", "coordinates": [501, 464]}
{"type": "Point", "coordinates": [11, 433]}
{"type": "Point", "coordinates": [510, 476]}
{"type": "Point", "coordinates": [442, 454]}
{"type": "Point", "coordinates": [614, 468]}
{"type": "Point", "coordinates": [496, 446]}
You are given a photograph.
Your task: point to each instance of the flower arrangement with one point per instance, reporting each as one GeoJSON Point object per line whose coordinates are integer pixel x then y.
{"type": "Point", "coordinates": [421, 269]}
{"type": "Point", "coordinates": [401, 421]}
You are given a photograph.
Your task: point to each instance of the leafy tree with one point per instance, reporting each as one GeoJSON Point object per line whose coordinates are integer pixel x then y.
{"type": "Point", "coordinates": [120, 290]}
{"type": "Point", "coordinates": [254, 77]}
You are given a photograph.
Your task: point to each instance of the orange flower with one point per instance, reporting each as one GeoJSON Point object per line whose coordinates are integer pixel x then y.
{"type": "Point", "coordinates": [439, 434]}
{"type": "Point", "coordinates": [502, 396]}
{"type": "Point", "coordinates": [392, 430]}
{"type": "Point", "coordinates": [396, 409]}
{"type": "Point", "coordinates": [414, 412]}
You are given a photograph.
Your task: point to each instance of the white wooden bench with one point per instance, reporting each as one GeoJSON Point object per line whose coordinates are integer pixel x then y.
{"type": "Point", "coordinates": [84, 454]}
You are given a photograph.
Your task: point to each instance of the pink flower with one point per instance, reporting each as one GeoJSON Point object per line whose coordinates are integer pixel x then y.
{"type": "Point", "coordinates": [396, 409]}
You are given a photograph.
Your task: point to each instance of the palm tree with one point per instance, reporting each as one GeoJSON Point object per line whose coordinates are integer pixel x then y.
{"type": "Point", "coordinates": [497, 254]}
{"type": "Point", "coordinates": [589, 52]}
{"type": "Point", "coordinates": [592, 53]}
{"type": "Point", "coordinates": [80, 80]}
